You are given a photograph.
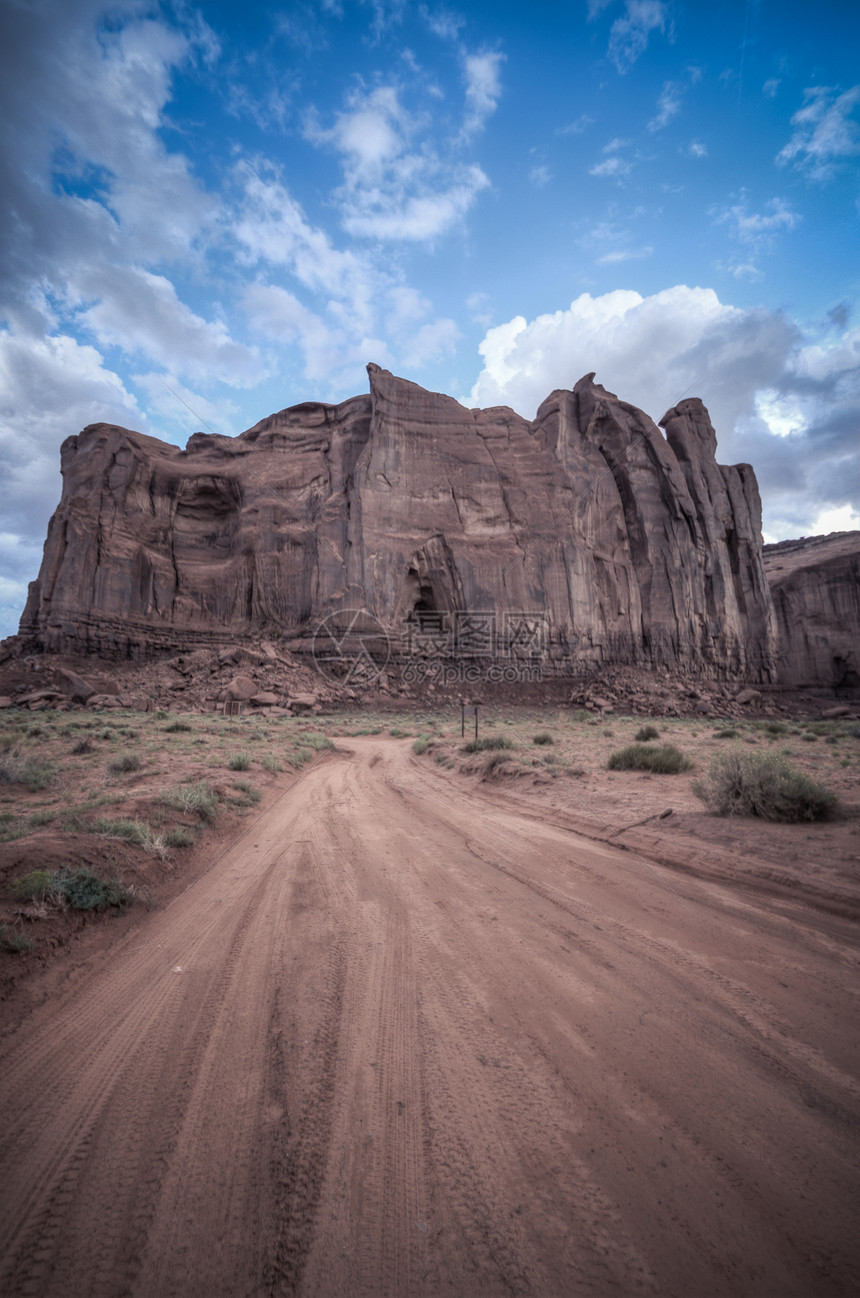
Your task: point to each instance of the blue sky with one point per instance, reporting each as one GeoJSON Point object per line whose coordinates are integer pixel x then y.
{"type": "Point", "coordinates": [246, 203]}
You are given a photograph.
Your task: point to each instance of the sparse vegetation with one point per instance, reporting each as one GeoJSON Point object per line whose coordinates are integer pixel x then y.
{"type": "Point", "coordinates": [239, 762]}
{"type": "Point", "coordinates": [419, 746]}
{"type": "Point", "coordinates": [665, 760]}
{"type": "Point", "coordinates": [766, 785]}
{"type": "Point", "coordinates": [124, 764]}
{"type": "Point", "coordinates": [250, 793]}
{"type": "Point", "coordinates": [543, 738]}
{"type": "Point", "coordinates": [198, 798]}
{"type": "Point", "coordinates": [645, 733]}
{"type": "Point", "coordinates": [180, 836]}
{"type": "Point", "coordinates": [14, 941]}
{"type": "Point", "coordinates": [81, 889]}
{"type": "Point", "coordinates": [487, 743]}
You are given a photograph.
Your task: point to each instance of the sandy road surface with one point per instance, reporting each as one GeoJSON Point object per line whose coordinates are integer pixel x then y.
{"type": "Point", "coordinates": [405, 1038]}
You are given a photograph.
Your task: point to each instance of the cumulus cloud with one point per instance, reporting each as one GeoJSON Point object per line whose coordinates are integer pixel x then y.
{"type": "Point", "coordinates": [778, 401]}
{"type": "Point", "coordinates": [824, 132]}
{"type": "Point", "coordinates": [628, 38]}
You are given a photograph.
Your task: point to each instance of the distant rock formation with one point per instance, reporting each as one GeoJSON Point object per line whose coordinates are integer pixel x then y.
{"type": "Point", "coordinates": [815, 585]}
{"type": "Point", "coordinates": [622, 545]}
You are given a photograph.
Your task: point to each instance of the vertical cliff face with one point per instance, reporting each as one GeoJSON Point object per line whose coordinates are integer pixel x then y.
{"type": "Point", "coordinates": [815, 585]}
{"type": "Point", "coordinates": [625, 545]}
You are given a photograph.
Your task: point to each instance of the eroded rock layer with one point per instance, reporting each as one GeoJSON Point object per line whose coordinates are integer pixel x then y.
{"type": "Point", "coordinates": [628, 546]}
{"type": "Point", "coordinates": [815, 585]}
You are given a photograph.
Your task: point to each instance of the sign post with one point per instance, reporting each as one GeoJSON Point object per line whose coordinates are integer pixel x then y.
{"type": "Point", "coordinates": [468, 710]}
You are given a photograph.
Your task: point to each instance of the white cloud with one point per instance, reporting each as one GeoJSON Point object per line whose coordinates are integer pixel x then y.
{"type": "Point", "coordinates": [824, 131]}
{"type": "Point", "coordinates": [52, 388]}
{"type": "Point", "coordinates": [624, 254]}
{"type": "Point", "coordinates": [615, 168]}
{"type": "Point", "coordinates": [540, 175]}
{"type": "Point", "coordinates": [785, 405]}
{"type": "Point", "coordinates": [395, 188]}
{"type": "Point", "coordinates": [697, 150]}
{"type": "Point", "coordinates": [482, 73]}
{"type": "Point", "coordinates": [629, 36]}
{"type": "Point", "coordinates": [431, 342]}
{"type": "Point", "coordinates": [577, 127]}
{"type": "Point", "coordinates": [770, 88]}
{"type": "Point", "coordinates": [758, 230]}
{"type": "Point", "coordinates": [668, 106]}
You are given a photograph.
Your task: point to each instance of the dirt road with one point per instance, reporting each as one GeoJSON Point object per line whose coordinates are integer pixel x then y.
{"type": "Point", "coordinates": [406, 1038]}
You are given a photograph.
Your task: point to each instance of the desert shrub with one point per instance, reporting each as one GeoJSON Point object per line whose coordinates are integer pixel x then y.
{"type": "Point", "coordinates": [321, 743]}
{"type": "Point", "coordinates": [199, 798]}
{"type": "Point", "coordinates": [765, 785]}
{"type": "Point", "coordinates": [86, 890]}
{"type": "Point", "coordinates": [181, 836]}
{"type": "Point", "coordinates": [729, 733]}
{"type": "Point", "coordinates": [299, 756]}
{"type": "Point", "coordinates": [488, 743]}
{"type": "Point", "coordinates": [12, 763]}
{"type": "Point", "coordinates": [178, 728]}
{"type": "Point", "coordinates": [239, 762]}
{"type": "Point", "coordinates": [420, 744]}
{"type": "Point", "coordinates": [123, 764]}
{"type": "Point", "coordinates": [250, 792]}
{"type": "Point", "coordinates": [775, 728]}
{"type": "Point", "coordinates": [644, 733]}
{"type": "Point", "coordinates": [130, 831]}
{"type": "Point", "coordinates": [581, 714]}
{"type": "Point", "coordinates": [494, 761]}
{"type": "Point", "coordinates": [271, 764]}
{"type": "Point", "coordinates": [543, 738]}
{"type": "Point", "coordinates": [810, 738]}
{"type": "Point", "coordinates": [84, 745]}
{"type": "Point", "coordinates": [14, 941]}
{"type": "Point", "coordinates": [665, 760]}
{"type": "Point", "coordinates": [32, 886]}
{"type": "Point", "coordinates": [397, 733]}
{"type": "Point", "coordinates": [17, 768]}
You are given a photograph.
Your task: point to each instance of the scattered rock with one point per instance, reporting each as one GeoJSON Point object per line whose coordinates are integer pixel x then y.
{"type": "Point", "coordinates": [748, 696]}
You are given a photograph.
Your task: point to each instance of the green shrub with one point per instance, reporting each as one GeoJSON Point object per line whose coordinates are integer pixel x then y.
{"type": "Point", "coordinates": [775, 728]}
{"type": "Point", "coordinates": [32, 886]}
{"type": "Point", "coordinates": [239, 762]}
{"type": "Point", "coordinates": [298, 758]}
{"type": "Point", "coordinates": [250, 792]}
{"type": "Point", "coordinates": [765, 785]}
{"type": "Point", "coordinates": [181, 836]}
{"type": "Point", "coordinates": [644, 733]}
{"type": "Point", "coordinates": [178, 728]}
{"type": "Point", "coordinates": [86, 890]}
{"type": "Point", "coordinates": [271, 764]}
{"type": "Point", "coordinates": [199, 798]}
{"type": "Point", "coordinates": [14, 941]}
{"type": "Point", "coordinates": [810, 738]}
{"type": "Point", "coordinates": [17, 768]}
{"type": "Point", "coordinates": [665, 760]}
{"type": "Point", "coordinates": [319, 742]}
{"type": "Point", "coordinates": [543, 738]}
{"type": "Point", "coordinates": [494, 761]}
{"type": "Point", "coordinates": [420, 744]}
{"type": "Point", "coordinates": [729, 733]}
{"type": "Point", "coordinates": [488, 743]}
{"type": "Point", "coordinates": [123, 764]}
{"type": "Point", "coordinates": [84, 745]}
{"type": "Point", "coordinates": [581, 714]}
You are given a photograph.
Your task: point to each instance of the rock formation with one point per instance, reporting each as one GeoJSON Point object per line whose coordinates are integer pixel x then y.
{"type": "Point", "coordinates": [606, 541]}
{"type": "Point", "coordinates": [815, 585]}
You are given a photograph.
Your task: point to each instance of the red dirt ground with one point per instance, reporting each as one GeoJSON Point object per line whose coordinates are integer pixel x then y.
{"type": "Point", "coordinates": [413, 1035]}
